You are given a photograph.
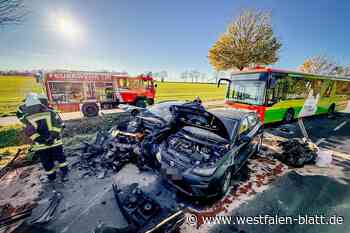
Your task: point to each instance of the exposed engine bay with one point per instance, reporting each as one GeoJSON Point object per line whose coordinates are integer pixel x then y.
{"type": "Point", "coordinates": [193, 149]}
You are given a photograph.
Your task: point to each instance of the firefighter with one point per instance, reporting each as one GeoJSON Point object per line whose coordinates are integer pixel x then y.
{"type": "Point", "coordinates": [43, 125]}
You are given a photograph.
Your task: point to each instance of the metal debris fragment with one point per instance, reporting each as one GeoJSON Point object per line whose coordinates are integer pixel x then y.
{"type": "Point", "coordinates": [297, 152]}
{"type": "Point", "coordinates": [49, 212]}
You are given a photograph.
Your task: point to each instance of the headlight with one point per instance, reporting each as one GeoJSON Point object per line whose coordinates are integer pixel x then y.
{"type": "Point", "coordinates": [204, 171]}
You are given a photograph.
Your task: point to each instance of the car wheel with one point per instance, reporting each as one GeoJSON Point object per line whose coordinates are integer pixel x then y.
{"type": "Point", "coordinates": [90, 109]}
{"type": "Point", "coordinates": [288, 116]}
{"type": "Point", "coordinates": [141, 103]}
{"type": "Point", "coordinates": [226, 182]}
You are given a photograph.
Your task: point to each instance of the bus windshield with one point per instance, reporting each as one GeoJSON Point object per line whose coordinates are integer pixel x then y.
{"type": "Point", "coordinates": [248, 92]}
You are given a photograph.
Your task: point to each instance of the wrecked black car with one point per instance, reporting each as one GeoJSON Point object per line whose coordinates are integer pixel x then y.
{"type": "Point", "coordinates": [135, 140]}
{"type": "Point", "coordinates": [145, 131]}
{"type": "Point", "coordinates": [209, 147]}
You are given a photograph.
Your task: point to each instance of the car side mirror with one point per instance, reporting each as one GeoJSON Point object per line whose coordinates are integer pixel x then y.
{"type": "Point", "coordinates": [244, 139]}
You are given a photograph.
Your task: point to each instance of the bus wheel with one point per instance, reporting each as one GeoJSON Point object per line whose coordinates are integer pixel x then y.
{"type": "Point", "coordinates": [90, 109]}
{"type": "Point", "coordinates": [141, 103]}
{"type": "Point", "coordinates": [288, 116]}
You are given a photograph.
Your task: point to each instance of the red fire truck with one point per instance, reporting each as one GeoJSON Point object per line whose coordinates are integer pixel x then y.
{"type": "Point", "coordinates": [70, 91]}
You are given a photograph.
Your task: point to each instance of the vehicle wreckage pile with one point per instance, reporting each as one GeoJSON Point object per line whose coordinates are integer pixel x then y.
{"type": "Point", "coordinates": [297, 152]}
{"type": "Point", "coordinates": [135, 140]}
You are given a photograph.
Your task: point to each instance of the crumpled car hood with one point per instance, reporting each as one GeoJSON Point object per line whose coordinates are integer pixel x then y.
{"type": "Point", "coordinates": [199, 117]}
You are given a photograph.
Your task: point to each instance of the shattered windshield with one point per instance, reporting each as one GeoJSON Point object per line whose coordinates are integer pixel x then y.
{"type": "Point", "coordinates": [248, 92]}
{"type": "Point", "coordinates": [162, 110]}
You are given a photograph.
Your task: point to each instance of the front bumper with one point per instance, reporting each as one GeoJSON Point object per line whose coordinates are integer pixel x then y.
{"type": "Point", "coordinates": [188, 183]}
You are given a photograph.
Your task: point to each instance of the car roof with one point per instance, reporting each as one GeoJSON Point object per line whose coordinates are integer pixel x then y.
{"type": "Point", "coordinates": [230, 113]}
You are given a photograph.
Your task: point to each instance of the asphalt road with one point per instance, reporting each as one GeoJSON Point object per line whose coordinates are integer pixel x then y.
{"type": "Point", "coordinates": [297, 195]}
{"type": "Point", "coordinates": [330, 133]}
{"type": "Point", "coordinates": [308, 191]}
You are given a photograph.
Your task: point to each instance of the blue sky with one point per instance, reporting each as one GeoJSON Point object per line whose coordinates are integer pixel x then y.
{"type": "Point", "coordinates": [144, 35]}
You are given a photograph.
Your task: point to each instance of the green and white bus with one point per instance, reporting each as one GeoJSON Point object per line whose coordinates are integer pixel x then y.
{"type": "Point", "coordinates": [280, 95]}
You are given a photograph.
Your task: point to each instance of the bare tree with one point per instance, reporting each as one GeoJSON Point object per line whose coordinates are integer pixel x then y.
{"type": "Point", "coordinates": [322, 64]}
{"type": "Point", "coordinates": [204, 77]}
{"type": "Point", "coordinates": [248, 41]}
{"type": "Point", "coordinates": [11, 11]}
{"type": "Point", "coordinates": [163, 75]}
{"type": "Point", "coordinates": [184, 76]}
{"type": "Point", "coordinates": [195, 75]}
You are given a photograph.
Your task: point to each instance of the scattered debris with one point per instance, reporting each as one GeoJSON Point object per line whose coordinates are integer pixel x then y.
{"type": "Point", "coordinates": [297, 152]}
{"type": "Point", "coordinates": [324, 158]}
{"type": "Point", "coordinates": [47, 215]}
{"type": "Point", "coordinates": [10, 214]}
{"type": "Point", "coordinates": [144, 214]}
{"type": "Point", "coordinates": [5, 169]}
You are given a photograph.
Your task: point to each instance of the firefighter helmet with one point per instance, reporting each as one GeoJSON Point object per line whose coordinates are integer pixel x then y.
{"type": "Point", "coordinates": [32, 99]}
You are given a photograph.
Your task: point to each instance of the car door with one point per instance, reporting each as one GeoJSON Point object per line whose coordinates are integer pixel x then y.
{"type": "Point", "coordinates": [244, 149]}
{"type": "Point", "coordinates": [255, 132]}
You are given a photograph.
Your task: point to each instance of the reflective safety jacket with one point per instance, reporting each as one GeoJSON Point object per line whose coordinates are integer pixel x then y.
{"type": "Point", "coordinates": [43, 126]}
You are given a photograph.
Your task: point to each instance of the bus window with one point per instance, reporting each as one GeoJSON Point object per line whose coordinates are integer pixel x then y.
{"type": "Point", "coordinates": [278, 92]}
{"type": "Point", "coordinates": [328, 89]}
{"type": "Point", "coordinates": [343, 88]}
{"type": "Point", "coordinates": [316, 86]}
{"type": "Point", "coordinates": [249, 92]}
{"type": "Point", "coordinates": [294, 88]}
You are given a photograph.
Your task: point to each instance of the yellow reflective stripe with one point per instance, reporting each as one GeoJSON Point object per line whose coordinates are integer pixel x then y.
{"type": "Point", "coordinates": [34, 136]}
{"type": "Point", "coordinates": [56, 129]}
{"type": "Point", "coordinates": [49, 172]}
{"type": "Point", "coordinates": [38, 146]}
{"type": "Point", "coordinates": [40, 116]}
{"type": "Point", "coordinates": [65, 164]}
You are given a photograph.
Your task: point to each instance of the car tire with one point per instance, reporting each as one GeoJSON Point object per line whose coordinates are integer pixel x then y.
{"type": "Point", "coordinates": [225, 183]}
{"type": "Point", "coordinates": [90, 109]}
{"type": "Point", "coordinates": [141, 103]}
{"type": "Point", "coordinates": [288, 116]}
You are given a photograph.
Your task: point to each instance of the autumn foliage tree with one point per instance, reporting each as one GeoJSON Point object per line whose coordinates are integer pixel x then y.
{"type": "Point", "coordinates": [249, 40]}
{"type": "Point", "coordinates": [321, 64]}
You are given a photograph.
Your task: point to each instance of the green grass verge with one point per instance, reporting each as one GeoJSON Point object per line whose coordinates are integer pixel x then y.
{"type": "Point", "coordinates": [11, 136]}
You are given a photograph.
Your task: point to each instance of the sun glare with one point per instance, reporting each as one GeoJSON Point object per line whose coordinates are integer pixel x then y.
{"type": "Point", "coordinates": [67, 27]}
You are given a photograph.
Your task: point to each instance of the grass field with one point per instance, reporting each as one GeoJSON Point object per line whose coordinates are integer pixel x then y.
{"type": "Point", "coordinates": [13, 90]}
{"type": "Point", "coordinates": [188, 91]}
